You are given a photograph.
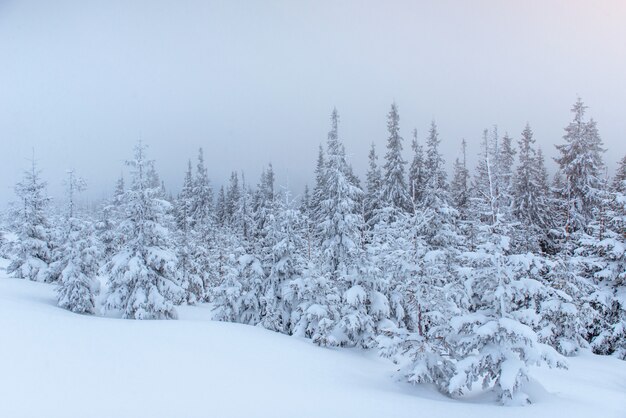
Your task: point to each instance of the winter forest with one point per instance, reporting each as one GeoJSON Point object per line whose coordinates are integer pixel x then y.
{"type": "Point", "coordinates": [463, 279]}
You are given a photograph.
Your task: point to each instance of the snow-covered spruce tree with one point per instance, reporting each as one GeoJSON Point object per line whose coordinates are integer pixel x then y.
{"type": "Point", "coordinates": [263, 208]}
{"type": "Point", "coordinates": [231, 201]}
{"type": "Point", "coordinates": [220, 208]}
{"type": "Point", "coordinates": [619, 180]}
{"type": "Point", "coordinates": [227, 295]}
{"type": "Point", "coordinates": [109, 215]}
{"type": "Point", "coordinates": [416, 170]}
{"type": "Point", "coordinates": [142, 279]}
{"type": "Point", "coordinates": [278, 301]}
{"type": "Point", "coordinates": [389, 258]}
{"type": "Point", "coordinates": [32, 249]}
{"type": "Point", "coordinates": [564, 312]}
{"type": "Point", "coordinates": [78, 256]}
{"type": "Point", "coordinates": [237, 298]}
{"type": "Point", "coordinates": [531, 204]}
{"type": "Point", "coordinates": [505, 169]}
{"type": "Point", "coordinates": [373, 189]}
{"type": "Point", "coordinates": [202, 197]}
{"type": "Point", "coordinates": [308, 227]}
{"type": "Point", "coordinates": [77, 283]}
{"type": "Point", "coordinates": [580, 162]}
{"type": "Point", "coordinates": [432, 290]}
{"type": "Point", "coordinates": [189, 254]}
{"type": "Point", "coordinates": [341, 223]}
{"type": "Point", "coordinates": [436, 223]}
{"type": "Point", "coordinates": [601, 251]}
{"type": "Point", "coordinates": [490, 343]}
{"type": "Point", "coordinates": [340, 220]}
{"type": "Point", "coordinates": [394, 191]}
{"type": "Point", "coordinates": [319, 189]}
{"type": "Point", "coordinates": [459, 186]}
{"type": "Point", "coordinates": [484, 199]}
{"type": "Point", "coordinates": [264, 231]}
{"type": "Point", "coordinates": [388, 248]}
{"type": "Point", "coordinates": [61, 229]}
{"type": "Point", "coordinates": [204, 223]}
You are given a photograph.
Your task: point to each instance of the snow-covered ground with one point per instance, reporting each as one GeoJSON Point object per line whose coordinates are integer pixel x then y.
{"type": "Point", "coordinates": [54, 363]}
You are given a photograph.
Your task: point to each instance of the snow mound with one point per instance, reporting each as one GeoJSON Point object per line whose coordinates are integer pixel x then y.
{"type": "Point", "coordinates": [58, 364]}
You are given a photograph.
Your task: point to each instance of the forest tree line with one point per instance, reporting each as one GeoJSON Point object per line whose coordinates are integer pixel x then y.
{"type": "Point", "coordinates": [463, 279]}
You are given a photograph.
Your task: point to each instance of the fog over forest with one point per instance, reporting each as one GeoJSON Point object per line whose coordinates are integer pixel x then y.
{"type": "Point", "coordinates": [254, 82]}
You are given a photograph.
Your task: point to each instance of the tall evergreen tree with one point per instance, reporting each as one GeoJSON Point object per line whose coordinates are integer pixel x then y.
{"type": "Point", "coordinates": [394, 190]}
{"type": "Point", "coordinates": [373, 188]}
{"type": "Point", "coordinates": [202, 197]}
{"type": "Point", "coordinates": [142, 278]}
{"type": "Point", "coordinates": [77, 283]}
{"type": "Point", "coordinates": [416, 170]}
{"type": "Point", "coordinates": [340, 221]}
{"type": "Point", "coordinates": [33, 249]}
{"type": "Point", "coordinates": [189, 254]}
{"type": "Point", "coordinates": [530, 202]}
{"type": "Point", "coordinates": [319, 191]}
{"type": "Point", "coordinates": [580, 161]}
{"type": "Point", "coordinates": [221, 214]}
{"type": "Point", "coordinates": [233, 195]}
{"type": "Point", "coordinates": [459, 186]}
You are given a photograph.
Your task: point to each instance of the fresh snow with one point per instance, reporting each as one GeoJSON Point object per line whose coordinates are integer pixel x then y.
{"type": "Point", "coordinates": [54, 363]}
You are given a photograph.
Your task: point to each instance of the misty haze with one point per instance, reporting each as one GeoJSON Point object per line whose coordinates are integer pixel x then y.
{"type": "Point", "coordinates": [312, 209]}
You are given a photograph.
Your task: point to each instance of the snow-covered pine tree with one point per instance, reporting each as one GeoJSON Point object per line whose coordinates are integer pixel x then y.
{"type": "Point", "coordinates": [220, 208]}
{"type": "Point", "coordinates": [489, 341]}
{"type": "Point", "coordinates": [492, 345]}
{"type": "Point", "coordinates": [61, 229]}
{"type": "Point", "coordinates": [202, 197]}
{"type": "Point", "coordinates": [459, 186]}
{"type": "Point", "coordinates": [619, 180]}
{"type": "Point", "coordinates": [530, 202]}
{"type": "Point", "coordinates": [580, 162]}
{"type": "Point", "coordinates": [319, 191]}
{"type": "Point", "coordinates": [142, 280]}
{"type": "Point", "coordinates": [416, 170]}
{"type": "Point", "coordinates": [601, 250]}
{"type": "Point", "coordinates": [242, 221]}
{"type": "Point", "coordinates": [431, 288]}
{"type": "Point", "coordinates": [373, 189]}
{"type": "Point", "coordinates": [237, 298]}
{"type": "Point", "coordinates": [263, 213]}
{"type": "Point", "coordinates": [505, 170]}
{"type": "Point", "coordinates": [204, 221]}
{"type": "Point", "coordinates": [484, 199]}
{"type": "Point", "coordinates": [77, 283]}
{"type": "Point", "coordinates": [341, 221]}
{"type": "Point", "coordinates": [33, 247]}
{"type": "Point", "coordinates": [231, 202]}
{"type": "Point", "coordinates": [564, 312]}
{"type": "Point", "coordinates": [278, 301]}
{"type": "Point", "coordinates": [110, 216]}
{"type": "Point", "coordinates": [189, 254]}
{"type": "Point", "coordinates": [308, 226]}
{"type": "Point", "coordinates": [394, 191]}
{"type": "Point", "coordinates": [78, 257]}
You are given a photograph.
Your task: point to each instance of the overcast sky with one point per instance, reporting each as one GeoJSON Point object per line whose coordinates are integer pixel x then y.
{"type": "Point", "coordinates": [255, 81]}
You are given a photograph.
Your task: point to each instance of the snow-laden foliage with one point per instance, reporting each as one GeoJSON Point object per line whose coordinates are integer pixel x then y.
{"type": "Point", "coordinates": [33, 248]}
{"type": "Point", "coordinates": [77, 284]}
{"type": "Point", "coordinates": [465, 284]}
{"type": "Point", "coordinates": [580, 162]}
{"type": "Point", "coordinates": [143, 283]}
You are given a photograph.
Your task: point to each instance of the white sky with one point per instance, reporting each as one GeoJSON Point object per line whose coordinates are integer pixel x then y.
{"type": "Point", "coordinates": [255, 81]}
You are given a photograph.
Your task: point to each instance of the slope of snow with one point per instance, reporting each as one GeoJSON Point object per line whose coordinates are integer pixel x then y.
{"type": "Point", "coordinates": [57, 364]}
